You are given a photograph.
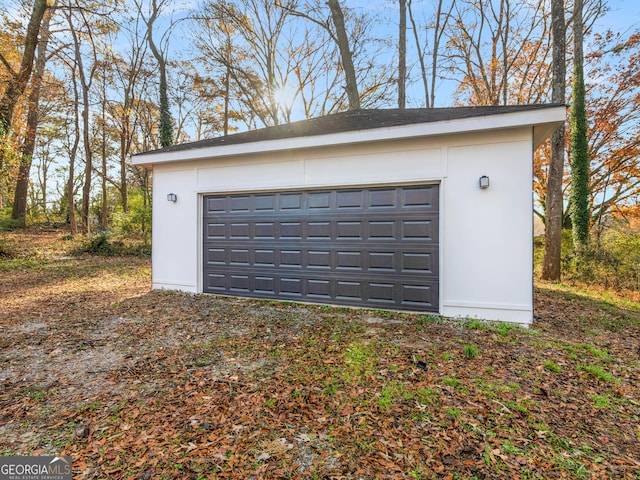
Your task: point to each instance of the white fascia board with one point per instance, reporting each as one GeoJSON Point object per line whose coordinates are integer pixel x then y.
{"type": "Point", "coordinates": [543, 120]}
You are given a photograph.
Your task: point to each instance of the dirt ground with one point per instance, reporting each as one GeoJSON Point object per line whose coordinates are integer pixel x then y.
{"type": "Point", "coordinates": [142, 384]}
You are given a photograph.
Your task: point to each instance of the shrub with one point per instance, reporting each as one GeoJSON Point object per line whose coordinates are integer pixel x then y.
{"type": "Point", "coordinates": [6, 222]}
{"type": "Point", "coordinates": [612, 262]}
{"type": "Point", "coordinates": [97, 244]}
{"type": "Point", "coordinates": [134, 224]}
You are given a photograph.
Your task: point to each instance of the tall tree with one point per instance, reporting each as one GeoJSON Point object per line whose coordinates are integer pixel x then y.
{"type": "Point", "coordinates": [166, 120]}
{"type": "Point", "coordinates": [498, 51]}
{"type": "Point", "coordinates": [27, 148]}
{"type": "Point", "coordinates": [16, 84]}
{"type": "Point", "coordinates": [579, 201]}
{"type": "Point", "coordinates": [402, 55]}
{"type": "Point", "coordinates": [342, 39]}
{"type": "Point", "coordinates": [86, 64]}
{"type": "Point", "coordinates": [613, 115]}
{"type": "Point", "coordinates": [554, 197]}
{"type": "Point", "coordinates": [244, 44]}
{"type": "Point", "coordinates": [19, 80]}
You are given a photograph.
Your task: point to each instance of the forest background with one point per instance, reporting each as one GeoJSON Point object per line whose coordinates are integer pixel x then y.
{"type": "Point", "coordinates": [111, 79]}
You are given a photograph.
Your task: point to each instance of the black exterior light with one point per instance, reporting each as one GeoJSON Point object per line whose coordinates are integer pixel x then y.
{"type": "Point", "coordinates": [172, 197]}
{"type": "Point", "coordinates": [484, 182]}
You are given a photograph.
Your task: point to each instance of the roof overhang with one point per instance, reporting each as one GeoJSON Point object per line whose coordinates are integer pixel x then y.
{"type": "Point", "coordinates": [543, 121]}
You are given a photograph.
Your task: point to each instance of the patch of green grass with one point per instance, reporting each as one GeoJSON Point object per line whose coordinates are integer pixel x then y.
{"type": "Point", "coordinates": [389, 393]}
{"type": "Point", "coordinates": [474, 325]}
{"type": "Point", "coordinates": [471, 351]}
{"type": "Point", "coordinates": [270, 402]}
{"type": "Point", "coordinates": [486, 456]}
{"type": "Point", "coordinates": [511, 449]}
{"type": "Point", "coordinates": [423, 320]}
{"type": "Point", "coordinates": [425, 395]}
{"type": "Point", "coordinates": [421, 416]}
{"type": "Point", "coordinates": [572, 467]}
{"type": "Point", "coordinates": [330, 387]}
{"type": "Point", "coordinates": [515, 406]}
{"type": "Point", "coordinates": [598, 372]}
{"type": "Point", "coordinates": [503, 328]}
{"type": "Point", "coordinates": [454, 412]}
{"type": "Point", "coordinates": [275, 353]}
{"type": "Point", "coordinates": [551, 366]}
{"type": "Point", "coordinates": [418, 474]}
{"type": "Point", "coordinates": [596, 351]}
{"type": "Point", "coordinates": [601, 401]}
{"type": "Point", "coordinates": [18, 264]}
{"type": "Point", "coordinates": [90, 407]}
{"type": "Point", "coordinates": [35, 392]}
{"type": "Point", "coordinates": [203, 362]}
{"type": "Point", "coordinates": [360, 358]}
{"type": "Point", "coordinates": [451, 382]}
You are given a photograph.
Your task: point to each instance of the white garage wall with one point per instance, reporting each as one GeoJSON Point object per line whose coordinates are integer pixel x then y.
{"type": "Point", "coordinates": [488, 254]}
{"type": "Point", "coordinates": [485, 236]}
{"type": "Point", "coordinates": [175, 230]}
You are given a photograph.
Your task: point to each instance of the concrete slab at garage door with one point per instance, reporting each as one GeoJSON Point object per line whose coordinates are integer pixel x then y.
{"type": "Point", "coordinates": [372, 247]}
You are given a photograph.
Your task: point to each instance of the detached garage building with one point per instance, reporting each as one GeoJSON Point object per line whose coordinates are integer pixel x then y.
{"type": "Point", "coordinates": [422, 209]}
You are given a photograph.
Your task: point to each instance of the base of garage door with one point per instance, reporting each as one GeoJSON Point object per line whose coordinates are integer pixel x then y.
{"type": "Point", "coordinates": [365, 247]}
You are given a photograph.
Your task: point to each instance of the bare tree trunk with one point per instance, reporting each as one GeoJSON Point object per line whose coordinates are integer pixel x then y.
{"type": "Point", "coordinates": [85, 83]}
{"type": "Point", "coordinates": [72, 160]}
{"type": "Point", "coordinates": [423, 70]}
{"type": "Point", "coordinates": [554, 198]}
{"type": "Point", "coordinates": [166, 122]}
{"type": "Point", "coordinates": [124, 151]}
{"type": "Point", "coordinates": [104, 209]}
{"type": "Point", "coordinates": [28, 146]}
{"type": "Point", "coordinates": [402, 54]}
{"type": "Point", "coordinates": [505, 9]}
{"type": "Point", "coordinates": [345, 53]}
{"type": "Point", "coordinates": [88, 158]}
{"type": "Point", "coordinates": [438, 31]}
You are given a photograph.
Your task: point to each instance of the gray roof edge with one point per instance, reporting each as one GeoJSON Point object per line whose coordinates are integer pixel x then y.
{"type": "Point", "coordinates": [351, 121]}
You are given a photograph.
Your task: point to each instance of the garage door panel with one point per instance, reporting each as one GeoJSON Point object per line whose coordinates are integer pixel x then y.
{"type": "Point", "coordinates": [319, 259]}
{"type": "Point", "coordinates": [216, 231]}
{"type": "Point", "coordinates": [382, 293]}
{"type": "Point", "coordinates": [239, 257]}
{"type": "Point", "coordinates": [239, 283]}
{"type": "Point", "coordinates": [349, 199]}
{"type": "Point", "coordinates": [265, 285]}
{"type": "Point", "coordinates": [291, 286]}
{"type": "Point", "coordinates": [319, 230]}
{"type": "Point", "coordinates": [239, 203]}
{"type": "Point", "coordinates": [382, 261]}
{"type": "Point", "coordinates": [216, 282]}
{"type": "Point", "coordinates": [265, 203]}
{"type": "Point", "coordinates": [291, 201]}
{"type": "Point", "coordinates": [319, 288]}
{"type": "Point", "coordinates": [380, 199]}
{"type": "Point", "coordinates": [239, 231]}
{"type": "Point", "coordinates": [362, 247]}
{"type": "Point", "coordinates": [418, 197]}
{"type": "Point", "coordinates": [382, 230]}
{"type": "Point", "coordinates": [319, 201]}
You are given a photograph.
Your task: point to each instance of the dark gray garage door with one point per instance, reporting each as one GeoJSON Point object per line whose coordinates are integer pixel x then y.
{"type": "Point", "coordinates": [373, 247]}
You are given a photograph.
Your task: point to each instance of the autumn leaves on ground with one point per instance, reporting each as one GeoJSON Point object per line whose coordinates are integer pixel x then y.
{"type": "Point", "coordinates": [135, 384]}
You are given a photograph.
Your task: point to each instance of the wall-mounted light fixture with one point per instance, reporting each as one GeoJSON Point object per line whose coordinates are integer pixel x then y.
{"type": "Point", "coordinates": [172, 197]}
{"type": "Point", "coordinates": [484, 182]}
